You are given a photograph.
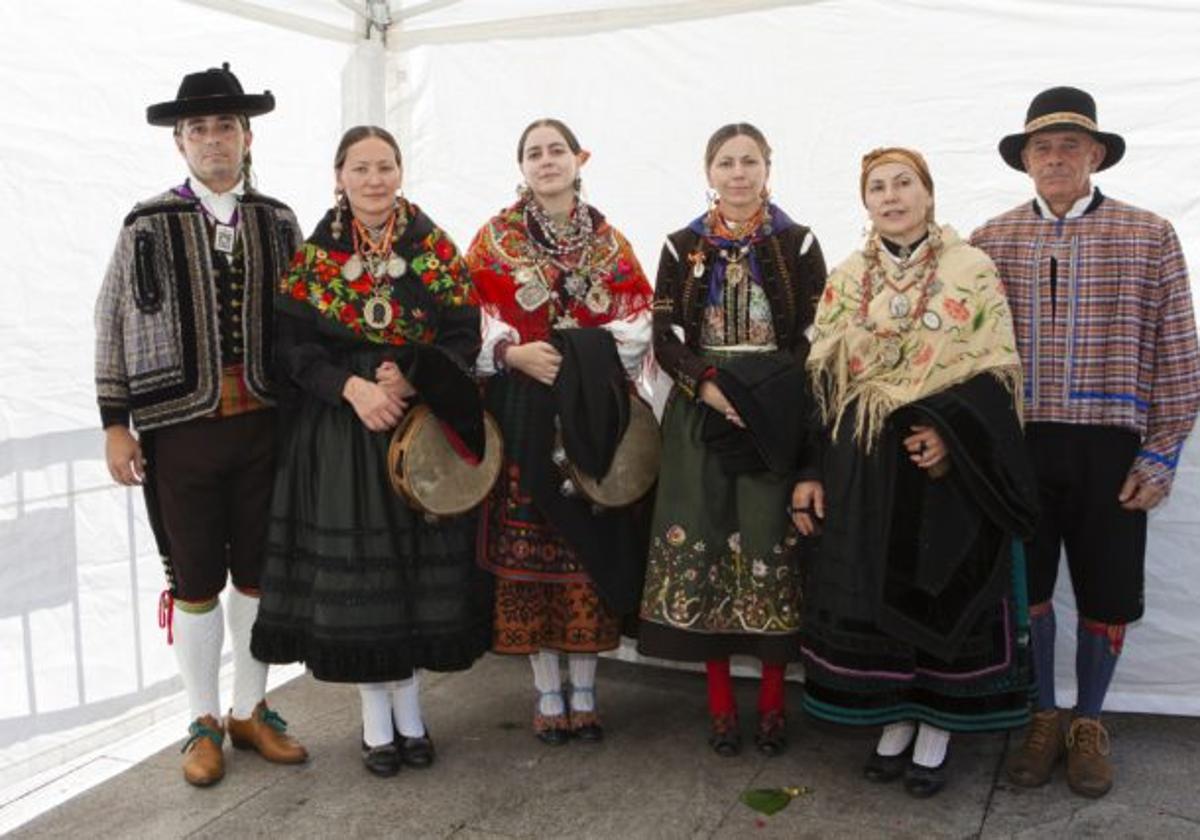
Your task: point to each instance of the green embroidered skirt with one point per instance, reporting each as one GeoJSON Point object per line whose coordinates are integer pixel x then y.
{"type": "Point", "coordinates": [723, 573]}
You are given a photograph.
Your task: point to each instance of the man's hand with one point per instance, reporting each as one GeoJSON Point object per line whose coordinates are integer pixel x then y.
{"type": "Point", "coordinates": [1139, 494]}
{"type": "Point", "coordinates": [123, 454]}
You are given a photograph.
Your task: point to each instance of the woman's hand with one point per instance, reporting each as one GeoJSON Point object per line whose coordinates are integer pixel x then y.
{"type": "Point", "coordinates": [389, 377]}
{"type": "Point", "coordinates": [378, 409]}
{"type": "Point", "coordinates": [537, 360]}
{"type": "Point", "coordinates": [927, 450]}
{"type": "Point", "coordinates": [808, 506]}
{"type": "Point", "coordinates": [715, 398]}
{"type": "Point", "coordinates": [123, 454]}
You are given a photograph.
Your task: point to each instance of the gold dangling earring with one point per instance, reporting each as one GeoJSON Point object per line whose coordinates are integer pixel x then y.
{"type": "Point", "coordinates": [335, 227]}
{"type": "Point", "coordinates": [712, 197]}
{"type": "Point", "coordinates": [523, 191]}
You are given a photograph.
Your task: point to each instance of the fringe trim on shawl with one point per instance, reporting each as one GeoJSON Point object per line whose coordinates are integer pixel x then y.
{"type": "Point", "coordinates": [833, 391]}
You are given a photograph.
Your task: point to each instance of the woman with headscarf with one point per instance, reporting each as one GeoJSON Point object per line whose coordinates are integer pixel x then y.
{"type": "Point", "coordinates": [915, 614]}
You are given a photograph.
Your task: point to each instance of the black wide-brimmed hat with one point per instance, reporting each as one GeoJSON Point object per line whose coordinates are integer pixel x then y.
{"type": "Point", "coordinates": [208, 93]}
{"type": "Point", "coordinates": [1061, 109]}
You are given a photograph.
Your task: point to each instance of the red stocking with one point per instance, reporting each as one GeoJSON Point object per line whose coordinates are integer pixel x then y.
{"type": "Point", "coordinates": [770, 691]}
{"type": "Point", "coordinates": [720, 688]}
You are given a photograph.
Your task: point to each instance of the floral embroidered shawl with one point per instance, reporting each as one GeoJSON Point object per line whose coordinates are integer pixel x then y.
{"type": "Point", "coordinates": [967, 330]}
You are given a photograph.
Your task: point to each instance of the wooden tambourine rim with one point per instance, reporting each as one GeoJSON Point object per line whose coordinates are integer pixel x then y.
{"type": "Point", "coordinates": [590, 487]}
{"type": "Point", "coordinates": [401, 441]}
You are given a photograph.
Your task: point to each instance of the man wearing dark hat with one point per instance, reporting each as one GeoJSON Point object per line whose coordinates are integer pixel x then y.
{"type": "Point", "coordinates": [1103, 314]}
{"type": "Point", "coordinates": [183, 346]}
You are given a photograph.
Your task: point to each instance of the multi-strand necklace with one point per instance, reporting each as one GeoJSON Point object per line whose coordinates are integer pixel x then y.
{"type": "Point", "coordinates": [373, 254]}
{"type": "Point", "coordinates": [905, 315]}
{"type": "Point", "coordinates": [567, 246]}
{"type": "Point", "coordinates": [737, 264]}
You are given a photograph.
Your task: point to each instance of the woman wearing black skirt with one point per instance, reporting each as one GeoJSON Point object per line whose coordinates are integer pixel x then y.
{"type": "Point", "coordinates": [358, 585]}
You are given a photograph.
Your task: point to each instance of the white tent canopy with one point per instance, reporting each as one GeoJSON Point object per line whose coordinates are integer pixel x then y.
{"type": "Point", "coordinates": [643, 84]}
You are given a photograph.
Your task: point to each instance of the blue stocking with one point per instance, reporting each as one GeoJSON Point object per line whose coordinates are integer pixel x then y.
{"type": "Point", "coordinates": [1095, 659]}
{"type": "Point", "coordinates": [1041, 637]}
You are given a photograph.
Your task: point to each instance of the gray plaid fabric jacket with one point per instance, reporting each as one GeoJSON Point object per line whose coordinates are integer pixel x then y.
{"type": "Point", "coordinates": [158, 357]}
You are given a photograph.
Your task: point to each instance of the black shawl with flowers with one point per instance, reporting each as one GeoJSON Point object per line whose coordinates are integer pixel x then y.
{"type": "Point", "coordinates": [320, 311]}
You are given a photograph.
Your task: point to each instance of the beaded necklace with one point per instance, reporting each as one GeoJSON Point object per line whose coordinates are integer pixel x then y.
{"type": "Point", "coordinates": [575, 236]}
{"type": "Point", "coordinates": [373, 253]}
{"type": "Point", "coordinates": [739, 234]}
{"type": "Point", "coordinates": [904, 314]}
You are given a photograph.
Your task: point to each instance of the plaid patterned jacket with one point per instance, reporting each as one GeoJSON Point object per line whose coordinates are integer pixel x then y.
{"type": "Point", "coordinates": [158, 356]}
{"type": "Point", "coordinates": [1115, 344]}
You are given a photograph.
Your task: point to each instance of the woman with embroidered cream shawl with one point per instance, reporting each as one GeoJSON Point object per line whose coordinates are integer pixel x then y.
{"type": "Point", "coordinates": [915, 607]}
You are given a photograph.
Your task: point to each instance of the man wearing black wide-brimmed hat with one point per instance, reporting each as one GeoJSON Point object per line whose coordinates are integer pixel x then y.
{"type": "Point", "coordinates": [183, 348]}
{"type": "Point", "coordinates": [1103, 315]}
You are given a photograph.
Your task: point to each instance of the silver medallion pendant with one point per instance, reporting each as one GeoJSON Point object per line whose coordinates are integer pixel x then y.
{"type": "Point", "coordinates": [889, 353]}
{"type": "Point", "coordinates": [931, 320]}
{"type": "Point", "coordinates": [224, 238]}
{"type": "Point", "coordinates": [396, 266]}
{"type": "Point", "coordinates": [524, 275]}
{"type": "Point", "coordinates": [377, 312]}
{"type": "Point", "coordinates": [598, 299]}
{"type": "Point", "coordinates": [735, 273]}
{"type": "Point", "coordinates": [533, 295]}
{"type": "Point", "coordinates": [376, 266]}
{"type": "Point", "coordinates": [576, 285]}
{"type": "Point", "coordinates": [899, 306]}
{"type": "Point", "coordinates": [352, 269]}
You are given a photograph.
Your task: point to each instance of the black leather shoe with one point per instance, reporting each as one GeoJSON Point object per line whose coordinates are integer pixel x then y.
{"type": "Point", "coordinates": [886, 768]}
{"type": "Point", "coordinates": [726, 737]}
{"type": "Point", "coordinates": [771, 735]}
{"type": "Point", "coordinates": [416, 752]}
{"type": "Point", "coordinates": [383, 760]}
{"type": "Point", "coordinates": [924, 782]}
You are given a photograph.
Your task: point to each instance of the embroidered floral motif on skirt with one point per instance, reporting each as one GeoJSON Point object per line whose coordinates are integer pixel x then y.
{"type": "Point", "coordinates": [723, 575]}
{"type": "Point", "coordinates": [544, 597]}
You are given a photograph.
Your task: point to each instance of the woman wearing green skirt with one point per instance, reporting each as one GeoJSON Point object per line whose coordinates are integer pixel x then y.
{"type": "Point", "coordinates": [736, 291]}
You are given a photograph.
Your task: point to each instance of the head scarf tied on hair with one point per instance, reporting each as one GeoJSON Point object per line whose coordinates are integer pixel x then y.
{"type": "Point", "coordinates": [872, 354]}
{"type": "Point", "coordinates": [895, 154]}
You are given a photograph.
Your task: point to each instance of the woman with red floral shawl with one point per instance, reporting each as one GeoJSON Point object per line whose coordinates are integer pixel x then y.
{"type": "Point", "coordinates": [547, 264]}
{"type": "Point", "coordinates": [358, 585]}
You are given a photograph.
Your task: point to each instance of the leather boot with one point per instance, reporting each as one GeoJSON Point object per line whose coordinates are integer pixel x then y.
{"type": "Point", "coordinates": [1033, 762]}
{"type": "Point", "coordinates": [266, 733]}
{"type": "Point", "coordinates": [204, 761]}
{"type": "Point", "coordinates": [1089, 772]}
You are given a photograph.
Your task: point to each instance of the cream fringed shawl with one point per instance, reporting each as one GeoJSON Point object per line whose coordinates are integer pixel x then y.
{"type": "Point", "coordinates": [876, 365]}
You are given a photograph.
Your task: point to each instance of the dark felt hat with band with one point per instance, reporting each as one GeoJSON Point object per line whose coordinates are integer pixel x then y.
{"type": "Point", "coordinates": [1061, 109]}
{"type": "Point", "coordinates": [209, 93]}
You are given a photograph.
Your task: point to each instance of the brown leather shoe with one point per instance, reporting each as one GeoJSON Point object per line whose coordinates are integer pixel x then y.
{"type": "Point", "coordinates": [204, 762]}
{"type": "Point", "coordinates": [1033, 762]}
{"type": "Point", "coordinates": [265, 732]}
{"type": "Point", "coordinates": [1089, 772]}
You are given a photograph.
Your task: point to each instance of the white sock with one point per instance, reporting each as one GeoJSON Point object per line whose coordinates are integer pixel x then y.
{"type": "Point", "coordinates": [198, 641]}
{"type": "Point", "coordinates": [548, 681]}
{"type": "Point", "coordinates": [896, 737]}
{"type": "Point", "coordinates": [583, 680]}
{"type": "Point", "coordinates": [930, 749]}
{"type": "Point", "coordinates": [249, 675]}
{"type": "Point", "coordinates": [376, 713]}
{"type": "Point", "coordinates": [406, 706]}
